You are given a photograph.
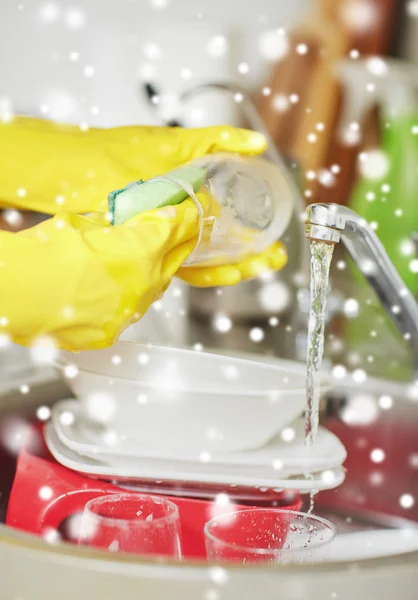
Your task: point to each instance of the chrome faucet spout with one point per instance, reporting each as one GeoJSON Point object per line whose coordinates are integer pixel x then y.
{"type": "Point", "coordinates": [332, 223]}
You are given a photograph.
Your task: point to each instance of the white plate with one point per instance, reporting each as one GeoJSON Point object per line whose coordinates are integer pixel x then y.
{"type": "Point", "coordinates": [134, 469]}
{"type": "Point", "coordinates": [183, 399]}
{"type": "Point", "coordinates": [289, 458]}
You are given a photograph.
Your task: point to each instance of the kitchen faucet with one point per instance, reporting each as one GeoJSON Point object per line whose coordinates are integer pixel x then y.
{"type": "Point", "coordinates": [331, 223]}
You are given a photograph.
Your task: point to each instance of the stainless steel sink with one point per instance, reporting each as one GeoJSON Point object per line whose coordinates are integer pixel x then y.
{"type": "Point", "coordinates": [370, 498]}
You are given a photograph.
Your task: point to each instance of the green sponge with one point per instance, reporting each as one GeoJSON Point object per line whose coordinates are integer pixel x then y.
{"type": "Point", "coordinates": [146, 195]}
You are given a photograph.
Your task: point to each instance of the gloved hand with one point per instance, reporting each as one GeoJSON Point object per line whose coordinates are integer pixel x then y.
{"type": "Point", "coordinates": [76, 279]}
{"type": "Point", "coordinates": [48, 167]}
{"type": "Point", "coordinates": [81, 282]}
{"type": "Point", "coordinates": [272, 259]}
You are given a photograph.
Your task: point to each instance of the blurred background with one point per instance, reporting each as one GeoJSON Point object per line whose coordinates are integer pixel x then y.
{"type": "Point", "coordinates": [335, 85]}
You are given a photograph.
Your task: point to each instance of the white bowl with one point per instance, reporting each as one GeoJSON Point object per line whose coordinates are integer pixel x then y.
{"type": "Point", "coordinates": [182, 399]}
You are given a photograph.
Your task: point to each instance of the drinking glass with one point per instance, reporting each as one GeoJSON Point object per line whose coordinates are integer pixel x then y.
{"type": "Point", "coordinates": [132, 523]}
{"type": "Point", "coordinates": [251, 204]}
{"type": "Point", "coordinates": [267, 535]}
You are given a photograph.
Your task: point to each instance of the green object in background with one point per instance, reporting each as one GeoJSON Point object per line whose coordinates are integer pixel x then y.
{"type": "Point", "coordinates": [390, 203]}
{"type": "Point", "coordinates": [141, 196]}
{"type": "Point", "coordinates": [391, 200]}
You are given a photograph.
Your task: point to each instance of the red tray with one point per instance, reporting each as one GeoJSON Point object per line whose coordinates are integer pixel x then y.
{"type": "Point", "coordinates": [65, 493]}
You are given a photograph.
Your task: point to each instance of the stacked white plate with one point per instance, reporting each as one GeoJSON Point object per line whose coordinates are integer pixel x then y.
{"type": "Point", "coordinates": [147, 413]}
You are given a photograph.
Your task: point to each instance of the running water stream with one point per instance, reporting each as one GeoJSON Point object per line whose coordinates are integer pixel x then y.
{"type": "Point", "coordinates": [321, 256]}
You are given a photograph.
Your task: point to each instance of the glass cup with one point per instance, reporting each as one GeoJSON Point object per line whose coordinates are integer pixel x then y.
{"type": "Point", "coordinates": [251, 205]}
{"type": "Point", "coordinates": [132, 523]}
{"type": "Point", "coordinates": [267, 535]}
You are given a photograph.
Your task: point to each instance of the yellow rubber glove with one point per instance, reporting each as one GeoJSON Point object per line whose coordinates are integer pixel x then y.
{"type": "Point", "coordinates": [48, 168]}
{"type": "Point", "coordinates": [272, 259]}
{"type": "Point", "coordinates": [81, 282]}
{"type": "Point", "coordinates": [75, 279]}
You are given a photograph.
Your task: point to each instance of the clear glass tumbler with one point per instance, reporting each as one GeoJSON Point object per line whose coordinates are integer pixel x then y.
{"type": "Point", "coordinates": [132, 523]}
{"type": "Point", "coordinates": [267, 535]}
{"type": "Point", "coordinates": [251, 202]}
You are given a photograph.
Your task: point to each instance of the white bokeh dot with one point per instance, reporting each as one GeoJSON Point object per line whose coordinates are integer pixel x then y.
{"type": "Point", "coordinates": [377, 66]}
{"type": "Point", "coordinates": [280, 103]}
{"type": "Point", "coordinates": [374, 165]}
{"type": "Point", "coordinates": [288, 434]}
{"type": "Point", "coordinates": [256, 334]}
{"type": "Point", "coordinates": [339, 372]}
{"type": "Point", "coordinates": [222, 323]}
{"type": "Point", "coordinates": [274, 296]}
{"type": "Point", "coordinates": [143, 358]}
{"type": "Point", "coordinates": [70, 371]}
{"type": "Point", "coordinates": [45, 492]}
{"type": "Point", "coordinates": [217, 46]}
{"type": "Point", "coordinates": [49, 12]}
{"type": "Point", "coordinates": [351, 308]}
{"type": "Point", "coordinates": [100, 407]}
{"type": "Point", "coordinates": [159, 4]}
{"type": "Point", "coordinates": [359, 15]}
{"type": "Point", "coordinates": [413, 265]}
{"type": "Point", "coordinates": [361, 409]}
{"type": "Point", "coordinates": [205, 457]}
{"type": "Point", "coordinates": [385, 402]}
{"type": "Point", "coordinates": [302, 49]}
{"type": "Point", "coordinates": [413, 461]}
{"type": "Point", "coordinates": [406, 501]}
{"type": "Point", "coordinates": [66, 418]}
{"type": "Point", "coordinates": [89, 71]}
{"type": "Point", "coordinates": [359, 376]}
{"type": "Point", "coordinates": [273, 45]}
{"type": "Point", "coordinates": [152, 51]}
{"type": "Point", "coordinates": [43, 413]}
{"type": "Point", "coordinates": [75, 19]}
{"type": "Point", "coordinates": [218, 575]}
{"type": "Point", "coordinates": [377, 455]}
{"type": "Point", "coordinates": [412, 8]}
